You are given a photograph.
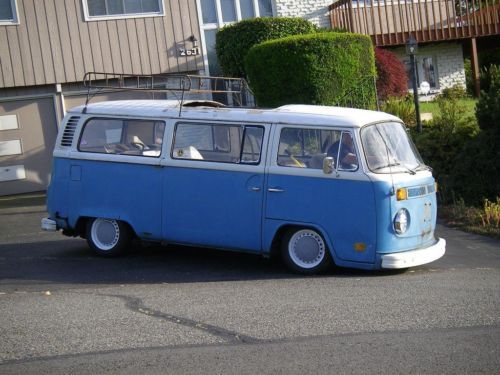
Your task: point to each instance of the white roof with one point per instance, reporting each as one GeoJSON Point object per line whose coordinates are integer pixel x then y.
{"type": "Point", "coordinates": [292, 114]}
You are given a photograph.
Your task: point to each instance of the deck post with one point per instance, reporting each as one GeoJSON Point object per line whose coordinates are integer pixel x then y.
{"type": "Point", "coordinates": [475, 68]}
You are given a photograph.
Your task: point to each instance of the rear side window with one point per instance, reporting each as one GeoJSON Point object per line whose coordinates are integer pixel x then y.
{"type": "Point", "coordinates": [122, 137]}
{"type": "Point", "coordinates": [221, 143]}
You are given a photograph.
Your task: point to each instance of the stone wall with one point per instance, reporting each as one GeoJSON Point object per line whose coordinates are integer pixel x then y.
{"type": "Point", "coordinates": [315, 11]}
{"type": "Point", "coordinates": [447, 58]}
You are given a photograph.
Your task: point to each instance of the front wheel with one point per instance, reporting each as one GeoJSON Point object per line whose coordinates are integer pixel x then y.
{"type": "Point", "coordinates": [304, 251]}
{"type": "Point", "coordinates": [108, 237]}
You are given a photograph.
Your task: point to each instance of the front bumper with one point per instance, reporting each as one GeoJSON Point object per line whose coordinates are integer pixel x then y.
{"type": "Point", "coordinates": [49, 225]}
{"type": "Point", "coordinates": [414, 258]}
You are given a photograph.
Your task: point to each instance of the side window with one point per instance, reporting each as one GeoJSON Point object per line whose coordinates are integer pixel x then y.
{"type": "Point", "coordinates": [123, 137]}
{"type": "Point", "coordinates": [305, 148]}
{"type": "Point", "coordinates": [347, 157]}
{"type": "Point", "coordinates": [252, 144]}
{"type": "Point", "coordinates": [218, 143]}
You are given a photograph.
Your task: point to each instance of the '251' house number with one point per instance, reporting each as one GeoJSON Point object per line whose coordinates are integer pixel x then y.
{"type": "Point", "coordinates": [190, 52]}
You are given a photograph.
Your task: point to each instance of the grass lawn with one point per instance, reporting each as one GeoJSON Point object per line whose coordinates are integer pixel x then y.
{"type": "Point", "coordinates": [432, 107]}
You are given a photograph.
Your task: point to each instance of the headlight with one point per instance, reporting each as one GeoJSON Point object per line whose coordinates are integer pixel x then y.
{"type": "Point", "coordinates": [402, 221]}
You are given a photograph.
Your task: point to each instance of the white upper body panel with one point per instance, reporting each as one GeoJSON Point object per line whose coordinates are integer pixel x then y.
{"type": "Point", "coordinates": [289, 114]}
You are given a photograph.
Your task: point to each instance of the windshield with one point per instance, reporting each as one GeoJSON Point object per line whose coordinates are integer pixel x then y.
{"type": "Point", "coordinates": [388, 149]}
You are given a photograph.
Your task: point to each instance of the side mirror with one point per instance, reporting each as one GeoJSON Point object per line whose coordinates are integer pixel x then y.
{"type": "Point", "coordinates": [328, 165]}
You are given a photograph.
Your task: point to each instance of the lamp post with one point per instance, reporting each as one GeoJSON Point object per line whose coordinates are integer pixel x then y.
{"type": "Point", "coordinates": [411, 50]}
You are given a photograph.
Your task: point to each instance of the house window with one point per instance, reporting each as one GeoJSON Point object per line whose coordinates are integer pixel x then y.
{"type": "Point", "coordinates": [216, 14]}
{"type": "Point", "coordinates": [105, 9]}
{"type": "Point", "coordinates": [426, 71]}
{"type": "Point", "coordinates": [8, 12]}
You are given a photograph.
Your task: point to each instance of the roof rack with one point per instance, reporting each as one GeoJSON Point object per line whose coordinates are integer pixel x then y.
{"type": "Point", "coordinates": [176, 83]}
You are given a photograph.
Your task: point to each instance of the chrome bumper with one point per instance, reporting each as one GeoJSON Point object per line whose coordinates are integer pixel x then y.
{"type": "Point", "coordinates": [49, 225]}
{"type": "Point", "coordinates": [414, 258]}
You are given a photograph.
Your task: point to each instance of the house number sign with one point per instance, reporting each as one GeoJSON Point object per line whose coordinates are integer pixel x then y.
{"type": "Point", "coordinates": [190, 52]}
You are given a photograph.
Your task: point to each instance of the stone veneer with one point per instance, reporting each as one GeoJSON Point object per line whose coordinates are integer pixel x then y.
{"type": "Point", "coordinates": [448, 60]}
{"type": "Point", "coordinates": [315, 11]}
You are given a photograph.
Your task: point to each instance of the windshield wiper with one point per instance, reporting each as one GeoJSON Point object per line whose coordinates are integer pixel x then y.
{"type": "Point", "coordinates": [396, 164]}
{"type": "Point", "coordinates": [386, 166]}
{"type": "Point", "coordinates": [421, 167]}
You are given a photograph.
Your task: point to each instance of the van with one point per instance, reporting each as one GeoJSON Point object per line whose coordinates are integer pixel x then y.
{"type": "Point", "coordinates": [320, 185]}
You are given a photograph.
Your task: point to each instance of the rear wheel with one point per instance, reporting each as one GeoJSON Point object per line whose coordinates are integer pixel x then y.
{"type": "Point", "coordinates": [108, 237]}
{"type": "Point", "coordinates": [304, 251]}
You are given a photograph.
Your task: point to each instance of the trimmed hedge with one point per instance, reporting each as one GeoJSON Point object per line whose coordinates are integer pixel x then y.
{"type": "Point", "coordinates": [234, 41]}
{"type": "Point", "coordinates": [322, 68]}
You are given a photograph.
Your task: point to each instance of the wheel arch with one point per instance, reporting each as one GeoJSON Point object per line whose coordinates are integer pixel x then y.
{"type": "Point", "coordinates": [81, 225]}
{"type": "Point", "coordinates": [285, 227]}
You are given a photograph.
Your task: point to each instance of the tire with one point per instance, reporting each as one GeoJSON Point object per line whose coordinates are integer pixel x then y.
{"type": "Point", "coordinates": [304, 251]}
{"type": "Point", "coordinates": [108, 237]}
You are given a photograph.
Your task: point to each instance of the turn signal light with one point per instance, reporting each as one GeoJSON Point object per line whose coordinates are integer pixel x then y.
{"type": "Point", "coordinates": [401, 194]}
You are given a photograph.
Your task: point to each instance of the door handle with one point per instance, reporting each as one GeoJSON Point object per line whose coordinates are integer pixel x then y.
{"type": "Point", "coordinates": [275, 190]}
{"type": "Point", "coordinates": [255, 188]}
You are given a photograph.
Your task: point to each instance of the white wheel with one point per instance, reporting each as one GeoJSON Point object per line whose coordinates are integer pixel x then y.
{"type": "Point", "coordinates": [107, 237]}
{"type": "Point", "coordinates": [305, 251]}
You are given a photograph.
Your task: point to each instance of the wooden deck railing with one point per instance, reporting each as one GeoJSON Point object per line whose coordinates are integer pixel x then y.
{"type": "Point", "coordinates": [390, 22]}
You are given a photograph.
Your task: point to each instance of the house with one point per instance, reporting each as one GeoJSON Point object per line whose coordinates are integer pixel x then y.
{"type": "Point", "coordinates": [46, 47]}
{"type": "Point", "coordinates": [441, 27]}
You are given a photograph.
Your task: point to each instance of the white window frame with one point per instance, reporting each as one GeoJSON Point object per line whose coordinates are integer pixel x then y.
{"type": "Point", "coordinates": [88, 17]}
{"type": "Point", "coordinates": [15, 15]}
{"type": "Point", "coordinates": [220, 24]}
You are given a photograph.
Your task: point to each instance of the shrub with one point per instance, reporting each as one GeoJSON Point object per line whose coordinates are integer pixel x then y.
{"type": "Point", "coordinates": [392, 79]}
{"type": "Point", "coordinates": [455, 92]}
{"type": "Point", "coordinates": [476, 169]}
{"type": "Point", "coordinates": [488, 106]}
{"type": "Point", "coordinates": [234, 41]}
{"type": "Point", "coordinates": [402, 108]}
{"type": "Point", "coordinates": [469, 82]}
{"type": "Point", "coordinates": [321, 68]}
{"type": "Point", "coordinates": [443, 140]}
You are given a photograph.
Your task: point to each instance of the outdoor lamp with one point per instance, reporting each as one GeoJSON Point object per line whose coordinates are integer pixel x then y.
{"type": "Point", "coordinates": [411, 50]}
{"type": "Point", "coordinates": [411, 46]}
{"type": "Point", "coordinates": [193, 39]}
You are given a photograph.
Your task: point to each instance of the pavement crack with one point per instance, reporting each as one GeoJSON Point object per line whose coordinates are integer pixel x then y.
{"type": "Point", "coordinates": [137, 305]}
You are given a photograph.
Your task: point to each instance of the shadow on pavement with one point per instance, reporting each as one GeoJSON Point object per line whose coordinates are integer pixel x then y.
{"type": "Point", "coordinates": [71, 262]}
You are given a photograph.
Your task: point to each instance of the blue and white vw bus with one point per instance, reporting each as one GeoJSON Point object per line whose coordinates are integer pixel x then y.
{"type": "Point", "coordinates": [320, 185]}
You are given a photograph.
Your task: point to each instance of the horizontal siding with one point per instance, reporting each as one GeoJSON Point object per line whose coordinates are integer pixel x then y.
{"type": "Point", "coordinates": [54, 44]}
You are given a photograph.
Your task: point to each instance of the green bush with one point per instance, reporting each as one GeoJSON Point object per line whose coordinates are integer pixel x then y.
{"type": "Point", "coordinates": [321, 68]}
{"type": "Point", "coordinates": [443, 140]}
{"type": "Point", "coordinates": [469, 82]}
{"type": "Point", "coordinates": [488, 106]}
{"type": "Point", "coordinates": [402, 108]}
{"type": "Point", "coordinates": [476, 170]}
{"type": "Point", "coordinates": [454, 92]}
{"type": "Point", "coordinates": [234, 41]}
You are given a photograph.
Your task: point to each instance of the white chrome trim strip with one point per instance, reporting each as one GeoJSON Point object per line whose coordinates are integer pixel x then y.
{"type": "Point", "coordinates": [130, 159]}
{"type": "Point", "coordinates": [209, 165]}
{"type": "Point", "coordinates": [414, 258]}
